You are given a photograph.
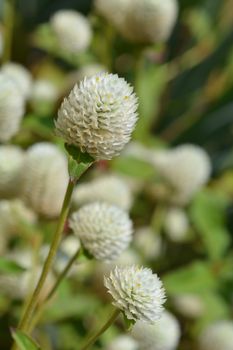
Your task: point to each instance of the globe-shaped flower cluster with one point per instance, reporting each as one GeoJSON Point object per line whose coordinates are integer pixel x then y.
{"type": "Point", "coordinates": [217, 336]}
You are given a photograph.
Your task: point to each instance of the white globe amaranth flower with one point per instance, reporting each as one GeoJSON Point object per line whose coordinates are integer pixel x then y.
{"type": "Point", "coordinates": [164, 334]}
{"type": "Point", "coordinates": [45, 178]}
{"type": "Point", "coordinates": [72, 29]}
{"type": "Point", "coordinates": [98, 116]}
{"type": "Point", "coordinates": [123, 342]}
{"type": "Point", "coordinates": [108, 188]}
{"type": "Point", "coordinates": [14, 214]}
{"type": "Point", "coordinates": [176, 224]}
{"type": "Point", "coordinates": [11, 108]}
{"type": "Point", "coordinates": [137, 292]}
{"type": "Point", "coordinates": [11, 166]}
{"type": "Point", "coordinates": [104, 229]}
{"type": "Point", "coordinates": [189, 305]}
{"type": "Point", "coordinates": [148, 242]}
{"type": "Point", "coordinates": [43, 90]}
{"type": "Point", "coordinates": [20, 75]}
{"type": "Point", "coordinates": [186, 168]}
{"type": "Point", "coordinates": [217, 336]}
{"type": "Point", "coordinates": [115, 11]}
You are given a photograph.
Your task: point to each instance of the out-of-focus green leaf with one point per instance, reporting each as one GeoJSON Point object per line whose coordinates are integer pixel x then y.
{"type": "Point", "coordinates": [9, 266]}
{"type": "Point", "coordinates": [208, 215]}
{"type": "Point", "coordinates": [194, 278]}
{"type": "Point", "coordinates": [133, 167]}
{"type": "Point", "coordinates": [24, 342]}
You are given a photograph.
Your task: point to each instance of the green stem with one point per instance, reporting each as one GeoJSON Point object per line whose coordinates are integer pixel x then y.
{"type": "Point", "coordinates": [9, 13]}
{"type": "Point", "coordinates": [92, 339]}
{"type": "Point", "coordinates": [23, 325]}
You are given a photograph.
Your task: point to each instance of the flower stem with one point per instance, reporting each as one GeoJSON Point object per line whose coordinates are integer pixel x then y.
{"type": "Point", "coordinates": [9, 13]}
{"type": "Point", "coordinates": [92, 339]}
{"type": "Point", "coordinates": [24, 323]}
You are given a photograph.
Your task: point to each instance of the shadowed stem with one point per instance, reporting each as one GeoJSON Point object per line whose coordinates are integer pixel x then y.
{"type": "Point", "coordinates": [92, 339]}
{"type": "Point", "coordinates": [9, 13]}
{"type": "Point", "coordinates": [26, 318]}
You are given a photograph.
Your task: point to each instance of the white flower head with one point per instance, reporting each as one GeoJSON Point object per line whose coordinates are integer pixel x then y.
{"type": "Point", "coordinates": [11, 166]}
{"type": "Point", "coordinates": [176, 224]}
{"type": "Point", "coordinates": [115, 11]}
{"type": "Point", "coordinates": [148, 242]}
{"type": "Point", "coordinates": [123, 342]}
{"type": "Point", "coordinates": [189, 305]}
{"type": "Point", "coordinates": [98, 116]}
{"type": "Point", "coordinates": [11, 108]}
{"type": "Point", "coordinates": [137, 292]}
{"type": "Point", "coordinates": [108, 188]}
{"type": "Point", "coordinates": [187, 168]}
{"type": "Point", "coordinates": [164, 334]}
{"type": "Point", "coordinates": [20, 75]}
{"type": "Point", "coordinates": [104, 229]}
{"type": "Point", "coordinates": [45, 178]}
{"type": "Point", "coordinates": [72, 29]}
{"type": "Point", "coordinates": [217, 336]}
{"type": "Point", "coordinates": [43, 90]}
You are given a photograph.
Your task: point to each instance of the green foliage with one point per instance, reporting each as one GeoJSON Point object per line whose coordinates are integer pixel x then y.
{"type": "Point", "coordinates": [9, 266]}
{"type": "Point", "coordinates": [78, 161]}
{"type": "Point", "coordinates": [24, 342]}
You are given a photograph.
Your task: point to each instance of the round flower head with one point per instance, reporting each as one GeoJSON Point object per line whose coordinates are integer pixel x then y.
{"type": "Point", "coordinates": [99, 115]}
{"type": "Point", "coordinates": [109, 188]}
{"type": "Point", "coordinates": [218, 336]}
{"type": "Point", "coordinates": [11, 166]}
{"type": "Point", "coordinates": [104, 229]}
{"type": "Point", "coordinates": [137, 292]}
{"type": "Point", "coordinates": [187, 168]}
{"type": "Point", "coordinates": [44, 90]}
{"type": "Point", "coordinates": [20, 75]}
{"type": "Point", "coordinates": [45, 178]}
{"type": "Point", "coordinates": [72, 29]}
{"type": "Point", "coordinates": [11, 108]}
{"type": "Point", "coordinates": [115, 11]}
{"type": "Point", "coordinates": [123, 342]}
{"type": "Point", "coordinates": [176, 224]}
{"type": "Point", "coordinates": [189, 305]}
{"type": "Point", "coordinates": [164, 334]}
{"type": "Point", "coordinates": [147, 242]}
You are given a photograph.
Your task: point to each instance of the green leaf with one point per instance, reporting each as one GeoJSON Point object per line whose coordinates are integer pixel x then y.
{"type": "Point", "coordinates": [134, 167]}
{"type": "Point", "coordinates": [9, 266]}
{"type": "Point", "coordinates": [194, 278]}
{"type": "Point", "coordinates": [208, 215]}
{"type": "Point", "coordinates": [78, 161]}
{"type": "Point", "coordinates": [23, 341]}
{"type": "Point", "coordinates": [128, 323]}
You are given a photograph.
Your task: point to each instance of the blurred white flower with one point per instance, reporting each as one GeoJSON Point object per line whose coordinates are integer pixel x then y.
{"type": "Point", "coordinates": [123, 342]}
{"type": "Point", "coordinates": [11, 108]}
{"type": "Point", "coordinates": [186, 168]}
{"type": "Point", "coordinates": [164, 334]}
{"type": "Point", "coordinates": [147, 21]}
{"type": "Point", "coordinates": [72, 30]}
{"type": "Point", "coordinates": [85, 71]}
{"type": "Point", "coordinates": [108, 188]}
{"type": "Point", "coordinates": [137, 292]}
{"type": "Point", "coordinates": [43, 90]}
{"type": "Point", "coordinates": [176, 224]}
{"type": "Point", "coordinates": [217, 336]}
{"type": "Point", "coordinates": [11, 166]}
{"type": "Point", "coordinates": [104, 229]}
{"type": "Point", "coordinates": [148, 242]}
{"type": "Point", "coordinates": [45, 178]}
{"type": "Point", "coordinates": [20, 75]}
{"type": "Point", "coordinates": [189, 305]}
{"type": "Point", "coordinates": [99, 115]}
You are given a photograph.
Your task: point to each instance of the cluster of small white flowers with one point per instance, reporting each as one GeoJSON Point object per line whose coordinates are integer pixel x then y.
{"type": "Point", "coordinates": [14, 214]}
{"type": "Point", "coordinates": [146, 21]}
{"type": "Point", "coordinates": [98, 116]}
{"type": "Point", "coordinates": [137, 292]}
{"type": "Point", "coordinates": [187, 168]}
{"type": "Point", "coordinates": [45, 178]}
{"type": "Point", "coordinates": [108, 188]}
{"type": "Point", "coordinates": [189, 305]}
{"type": "Point", "coordinates": [11, 166]}
{"type": "Point", "coordinates": [11, 108]}
{"type": "Point", "coordinates": [148, 242]}
{"type": "Point", "coordinates": [164, 334]}
{"type": "Point", "coordinates": [43, 90]}
{"type": "Point", "coordinates": [176, 224]}
{"type": "Point", "coordinates": [217, 336]}
{"type": "Point", "coordinates": [123, 342]}
{"type": "Point", "coordinates": [72, 30]}
{"type": "Point", "coordinates": [20, 75]}
{"type": "Point", "coordinates": [104, 229]}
